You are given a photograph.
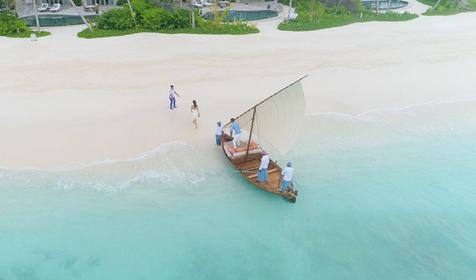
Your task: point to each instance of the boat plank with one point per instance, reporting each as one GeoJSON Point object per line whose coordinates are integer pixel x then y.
{"type": "Point", "coordinates": [269, 172]}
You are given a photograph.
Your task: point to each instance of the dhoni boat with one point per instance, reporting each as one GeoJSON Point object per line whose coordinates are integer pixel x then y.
{"type": "Point", "coordinates": [272, 125]}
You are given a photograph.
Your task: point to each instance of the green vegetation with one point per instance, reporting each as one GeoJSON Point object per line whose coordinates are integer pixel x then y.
{"type": "Point", "coordinates": [99, 33]}
{"type": "Point", "coordinates": [230, 29]}
{"type": "Point", "coordinates": [12, 26]}
{"type": "Point", "coordinates": [430, 3]}
{"type": "Point", "coordinates": [448, 7]}
{"type": "Point", "coordinates": [115, 19]}
{"type": "Point", "coordinates": [313, 15]}
{"type": "Point", "coordinates": [150, 18]}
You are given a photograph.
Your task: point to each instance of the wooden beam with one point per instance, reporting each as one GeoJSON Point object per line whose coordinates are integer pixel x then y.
{"type": "Point", "coordinates": [251, 133]}
{"type": "Point", "coordinates": [269, 172]}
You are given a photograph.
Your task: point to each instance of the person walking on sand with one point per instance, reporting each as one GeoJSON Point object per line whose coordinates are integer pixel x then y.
{"type": "Point", "coordinates": [263, 168]}
{"type": "Point", "coordinates": [287, 174]}
{"type": "Point", "coordinates": [172, 94]}
{"type": "Point", "coordinates": [195, 113]}
{"type": "Point", "coordinates": [236, 132]}
{"type": "Point", "coordinates": [218, 133]}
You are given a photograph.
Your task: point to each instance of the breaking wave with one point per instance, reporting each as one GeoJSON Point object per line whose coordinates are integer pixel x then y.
{"type": "Point", "coordinates": [168, 164]}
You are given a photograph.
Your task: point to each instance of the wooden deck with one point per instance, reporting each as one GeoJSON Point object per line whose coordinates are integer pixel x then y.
{"type": "Point", "coordinates": [249, 166]}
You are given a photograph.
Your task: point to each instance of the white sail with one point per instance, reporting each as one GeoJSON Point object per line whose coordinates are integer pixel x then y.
{"type": "Point", "coordinates": [277, 120]}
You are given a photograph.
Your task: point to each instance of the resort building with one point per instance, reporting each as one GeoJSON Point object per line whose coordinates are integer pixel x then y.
{"type": "Point", "coordinates": [26, 7]}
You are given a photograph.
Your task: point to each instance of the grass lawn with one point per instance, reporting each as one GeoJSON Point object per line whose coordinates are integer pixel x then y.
{"type": "Point", "coordinates": [329, 20]}
{"type": "Point", "coordinates": [28, 34]}
{"type": "Point", "coordinates": [99, 33]}
{"type": "Point", "coordinates": [226, 29]}
{"type": "Point", "coordinates": [430, 3]}
{"type": "Point", "coordinates": [447, 8]}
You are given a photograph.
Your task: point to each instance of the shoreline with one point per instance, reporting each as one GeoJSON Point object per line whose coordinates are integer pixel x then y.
{"type": "Point", "coordinates": [65, 100]}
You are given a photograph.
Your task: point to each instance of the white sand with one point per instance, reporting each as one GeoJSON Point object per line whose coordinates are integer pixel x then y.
{"type": "Point", "coordinates": [66, 101]}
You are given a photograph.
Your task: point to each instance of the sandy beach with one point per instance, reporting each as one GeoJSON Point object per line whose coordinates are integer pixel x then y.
{"type": "Point", "coordinates": [66, 101]}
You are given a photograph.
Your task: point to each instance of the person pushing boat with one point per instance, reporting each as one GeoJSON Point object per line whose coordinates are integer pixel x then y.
{"type": "Point", "coordinates": [236, 132]}
{"type": "Point", "coordinates": [263, 168]}
{"type": "Point", "coordinates": [218, 133]}
{"type": "Point", "coordinates": [287, 174]}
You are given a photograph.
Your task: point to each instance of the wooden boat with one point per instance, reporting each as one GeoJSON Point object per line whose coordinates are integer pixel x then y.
{"type": "Point", "coordinates": [272, 126]}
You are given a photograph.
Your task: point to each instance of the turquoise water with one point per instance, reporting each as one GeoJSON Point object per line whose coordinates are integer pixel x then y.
{"type": "Point", "coordinates": [383, 195]}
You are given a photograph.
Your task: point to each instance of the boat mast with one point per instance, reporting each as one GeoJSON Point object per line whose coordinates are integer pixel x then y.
{"type": "Point", "coordinates": [251, 131]}
{"type": "Point", "coordinates": [269, 97]}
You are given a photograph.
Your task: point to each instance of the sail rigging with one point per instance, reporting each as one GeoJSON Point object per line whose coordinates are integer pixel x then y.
{"type": "Point", "coordinates": [275, 123]}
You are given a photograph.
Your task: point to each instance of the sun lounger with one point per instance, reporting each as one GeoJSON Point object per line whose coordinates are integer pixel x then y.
{"type": "Point", "coordinates": [89, 8]}
{"type": "Point", "coordinates": [43, 8]}
{"type": "Point", "coordinates": [223, 4]}
{"type": "Point", "coordinates": [56, 7]}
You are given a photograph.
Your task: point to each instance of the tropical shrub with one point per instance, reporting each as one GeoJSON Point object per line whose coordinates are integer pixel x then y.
{"type": "Point", "coordinates": [312, 15]}
{"type": "Point", "coordinates": [155, 19]}
{"type": "Point", "coordinates": [115, 19]}
{"type": "Point", "coordinates": [179, 19]}
{"type": "Point", "coordinates": [448, 7]}
{"type": "Point", "coordinates": [149, 17]}
{"type": "Point", "coordinates": [139, 8]}
{"type": "Point", "coordinates": [10, 24]}
{"type": "Point", "coordinates": [212, 27]}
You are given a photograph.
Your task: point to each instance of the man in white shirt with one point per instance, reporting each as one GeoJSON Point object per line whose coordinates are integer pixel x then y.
{"type": "Point", "coordinates": [263, 168]}
{"type": "Point", "coordinates": [218, 133]}
{"type": "Point", "coordinates": [287, 177]}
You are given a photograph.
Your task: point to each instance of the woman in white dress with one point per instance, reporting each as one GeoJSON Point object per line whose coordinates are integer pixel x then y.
{"type": "Point", "coordinates": [195, 113]}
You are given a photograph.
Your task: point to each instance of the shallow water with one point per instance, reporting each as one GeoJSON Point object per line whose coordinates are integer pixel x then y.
{"type": "Point", "coordinates": [383, 195]}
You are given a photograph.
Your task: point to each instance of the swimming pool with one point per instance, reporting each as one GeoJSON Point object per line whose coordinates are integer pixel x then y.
{"type": "Point", "coordinates": [55, 20]}
{"type": "Point", "coordinates": [246, 15]}
{"type": "Point", "coordinates": [372, 4]}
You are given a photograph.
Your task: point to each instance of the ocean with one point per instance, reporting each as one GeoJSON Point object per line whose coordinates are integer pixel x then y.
{"type": "Point", "coordinates": [382, 195]}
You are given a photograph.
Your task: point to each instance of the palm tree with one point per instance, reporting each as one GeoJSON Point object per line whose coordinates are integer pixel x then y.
{"type": "Point", "coordinates": [80, 14]}
{"type": "Point", "coordinates": [132, 12]}
{"type": "Point", "coordinates": [337, 7]}
{"type": "Point", "coordinates": [389, 5]}
{"type": "Point", "coordinates": [37, 19]}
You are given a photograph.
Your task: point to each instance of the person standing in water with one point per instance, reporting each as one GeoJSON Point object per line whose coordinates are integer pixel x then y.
{"type": "Point", "coordinates": [195, 113]}
{"type": "Point", "coordinates": [236, 132]}
{"type": "Point", "coordinates": [287, 177]}
{"type": "Point", "coordinates": [218, 133]}
{"type": "Point", "coordinates": [172, 94]}
{"type": "Point", "coordinates": [263, 168]}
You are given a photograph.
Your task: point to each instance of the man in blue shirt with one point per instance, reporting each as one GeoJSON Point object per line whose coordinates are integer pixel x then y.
{"type": "Point", "coordinates": [236, 132]}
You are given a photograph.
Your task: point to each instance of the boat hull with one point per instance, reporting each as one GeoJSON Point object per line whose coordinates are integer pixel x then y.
{"type": "Point", "coordinates": [248, 165]}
